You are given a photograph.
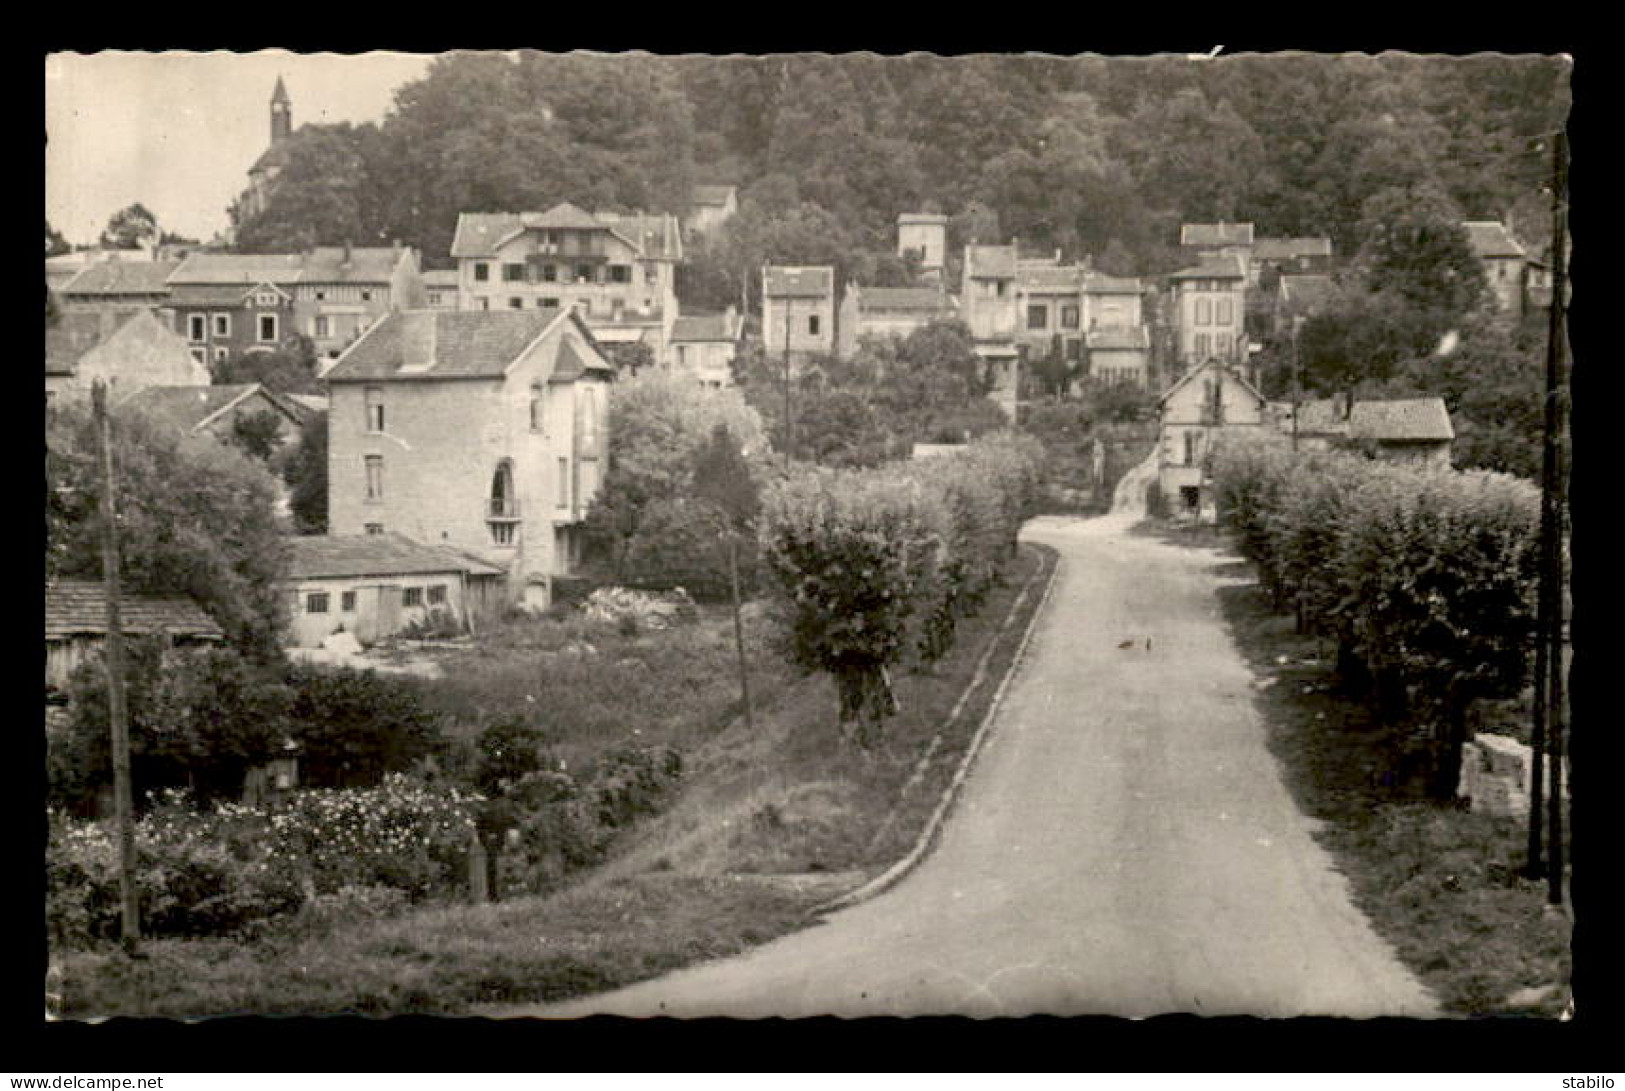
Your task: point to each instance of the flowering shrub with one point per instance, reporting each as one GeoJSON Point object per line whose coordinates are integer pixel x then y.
{"type": "Point", "coordinates": [216, 872]}
{"type": "Point", "coordinates": [616, 605]}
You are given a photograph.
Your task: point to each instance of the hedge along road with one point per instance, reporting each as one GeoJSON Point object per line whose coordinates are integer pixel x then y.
{"type": "Point", "coordinates": [1123, 845]}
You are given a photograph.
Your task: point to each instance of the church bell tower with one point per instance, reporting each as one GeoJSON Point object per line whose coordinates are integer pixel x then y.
{"type": "Point", "coordinates": [281, 113]}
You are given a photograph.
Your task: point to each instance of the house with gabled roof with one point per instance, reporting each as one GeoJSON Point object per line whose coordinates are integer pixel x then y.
{"type": "Point", "coordinates": [226, 305]}
{"type": "Point", "coordinates": [880, 313]}
{"type": "Point", "coordinates": [1218, 240]}
{"type": "Point", "coordinates": [704, 346]}
{"type": "Point", "coordinates": [1210, 400]}
{"type": "Point", "coordinates": [119, 284]}
{"type": "Point", "coordinates": [372, 586]}
{"type": "Point", "coordinates": [616, 270]}
{"type": "Point", "coordinates": [989, 306]}
{"type": "Point", "coordinates": [485, 431]}
{"type": "Point", "coordinates": [1401, 429]}
{"type": "Point", "coordinates": [798, 311]}
{"type": "Point", "coordinates": [1299, 255]}
{"type": "Point", "coordinates": [1503, 259]}
{"type": "Point", "coordinates": [128, 348]}
{"type": "Point", "coordinates": [214, 410]}
{"type": "Point", "coordinates": [341, 290]}
{"type": "Point", "coordinates": [710, 207]}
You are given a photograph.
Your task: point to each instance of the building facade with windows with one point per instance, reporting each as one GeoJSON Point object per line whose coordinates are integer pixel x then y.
{"type": "Point", "coordinates": [129, 349]}
{"type": "Point", "coordinates": [226, 305]}
{"type": "Point", "coordinates": [879, 313]}
{"type": "Point", "coordinates": [1209, 312]}
{"type": "Point", "coordinates": [704, 345]}
{"type": "Point", "coordinates": [798, 311]}
{"type": "Point", "coordinates": [989, 306]}
{"type": "Point", "coordinates": [1208, 401]}
{"type": "Point", "coordinates": [486, 431]}
{"type": "Point", "coordinates": [617, 271]}
{"type": "Point", "coordinates": [339, 291]}
{"type": "Point", "coordinates": [1503, 260]}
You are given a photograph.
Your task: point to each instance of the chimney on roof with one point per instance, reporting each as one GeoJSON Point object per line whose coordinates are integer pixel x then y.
{"type": "Point", "coordinates": [346, 253]}
{"type": "Point", "coordinates": [417, 340]}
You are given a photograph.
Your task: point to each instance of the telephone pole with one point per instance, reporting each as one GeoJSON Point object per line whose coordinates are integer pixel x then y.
{"type": "Point", "coordinates": [1556, 407]}
{"type": "Point", "coordinates": [130, 925]}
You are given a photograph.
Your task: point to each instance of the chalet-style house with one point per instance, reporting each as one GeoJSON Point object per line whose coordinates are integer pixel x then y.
{"type": "Point", "coordinates": [226, 305]}
{"type": "Point", "coordinates": [798, 311]}
{"type": "Point", "coordinates": [374, 585]}
{"type": "Point", "coordinates": [341, 290]}
{"type": "Point", "coordinates": [1208, 401]}
{"type": "Point", "coordinates": [616, 271]}
{"type": "Point", "coordinates": [880, 313]}
{"type": "Point", "coordinates": [703, 346]}
{"type": "Point", "coordinates": [129, 349]}
{"type": "Point", "coordinates": [485, 431]}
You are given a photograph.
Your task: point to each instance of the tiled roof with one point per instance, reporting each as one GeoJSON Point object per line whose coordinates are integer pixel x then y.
{"type": "Point", "coordinates": [365, 265]}
{"type": "Point", "coordinates": [1102, 284]}
{"type": "Point", "coordinates": [990, 261]}
{"type": "Point", "coordinates": [1118, 337]}
{"type": "Point", "coordinates": [1318, 246]}
{"type": "Point", "coordinates": [311, 403]}
{"type": "Point", "coordinates": [478, 233]}
{"type": "Point", "coordinates": [1323, 416]}
{"type": "Point", "coordinates": [1219, 234]}
{"type": "Point", "coordinates": [1048, 276]}
{"type": "Point", "coordinates": [798, 280]}
{"type": "Point", "coordinates": [570, 365]}
{"type": "Point", "coordinates": [460, 344]}
{"type": "Point", "coordinates": [1407, 419]}
{"type": "Point", "coordinates": [704, 327]}
{"type": "Point", "coordinates": [902, 299]}
{"type": "Point", "coordinates": [76, 333]}
{"type": "Point", "coordinates": [1224, 268]}
{"type": "Point", "coordinates": [275, 156]}
{"type": "Point", "coordinates": [121, 278]}
{"type": "Point", "coordinates": [712, 195]}
{"type": "Point", "coordinates": [331, 556]}
{"type": "Point", "coordinates": [921, 218]}
{"type": "Point", "coordinates": [189, 407]}
{"type": "Point", "coordinates": [207, 295]}
{"type": "Point", "coordinates": [74, 607]}
{"type": "Point", "coordinates": [1491, 239]}
{"type": "Point", "coordinates": [246, 270]}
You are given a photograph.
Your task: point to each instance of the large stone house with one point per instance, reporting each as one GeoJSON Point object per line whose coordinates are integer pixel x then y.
{"type": "Point", "coordinates": [1210, 400]}
{"type": "Point", "coordinates": [880, 313]}
{"type": "Point", "coordinates": [618, 271]}
{"type": "Point", "coordinates": [1209, 311]}
{"type": "Point", "coordinates": [798, 311]}
{"type": "Point", "coordinates": [481, 430]}
{"type": "Point", "coordinates": [129, 349]}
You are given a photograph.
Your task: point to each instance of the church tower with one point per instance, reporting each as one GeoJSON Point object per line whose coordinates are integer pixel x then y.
{"type": "Point", "coordinates": [281, 113]}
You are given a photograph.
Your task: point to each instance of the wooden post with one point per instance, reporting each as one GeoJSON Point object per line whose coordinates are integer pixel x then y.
{"type": "Point", "coordinates": [123, 804]}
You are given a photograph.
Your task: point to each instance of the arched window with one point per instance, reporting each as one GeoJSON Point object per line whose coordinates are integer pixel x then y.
{"type": "Point", "coordinates": [504, 505]}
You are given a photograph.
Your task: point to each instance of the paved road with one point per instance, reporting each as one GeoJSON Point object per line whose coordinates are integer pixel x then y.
{"type": "Point", "coordinates": [1124, 844]}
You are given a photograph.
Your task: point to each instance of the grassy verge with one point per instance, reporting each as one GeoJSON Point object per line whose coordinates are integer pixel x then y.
{"type": "Point", "coordinates": [770, 824]}
{"type": "Point", "coordinates": [1440, 883]}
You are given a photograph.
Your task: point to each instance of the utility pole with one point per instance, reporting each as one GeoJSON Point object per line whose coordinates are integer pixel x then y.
{"type": "Point", "coordinates": [789, 423]}
{"type": "Point", "coordinates": [1556, 406]}
{"type": "Point", "coordinates": [130, 928]}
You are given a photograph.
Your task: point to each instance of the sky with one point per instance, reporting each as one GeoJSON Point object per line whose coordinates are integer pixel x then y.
{"type": "Point", "coordinates": [178, 131]}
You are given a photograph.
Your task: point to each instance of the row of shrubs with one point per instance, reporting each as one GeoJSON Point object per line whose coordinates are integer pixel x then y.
{"type": "Point", "coordinates": [1424, 575]}
{"type": "Point", "coordinates": [877, 566]}
{"type": "Point", "coordinates": [315, 857]}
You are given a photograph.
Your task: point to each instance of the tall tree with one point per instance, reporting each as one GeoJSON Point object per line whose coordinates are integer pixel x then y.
{"type": "Point", "coordinates": [54, 242]}
{"type": "Point", "coordinates": [131, 227]}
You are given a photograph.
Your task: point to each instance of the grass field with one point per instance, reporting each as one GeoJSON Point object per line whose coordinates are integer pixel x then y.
{"type": "Point", "coordinates": [770, 824]}
{"type": "Point", "coordinates": [1440, 883]}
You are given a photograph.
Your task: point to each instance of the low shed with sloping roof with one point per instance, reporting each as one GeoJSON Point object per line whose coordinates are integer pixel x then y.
{"type": "Point", "coordinates": [76, 623]}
